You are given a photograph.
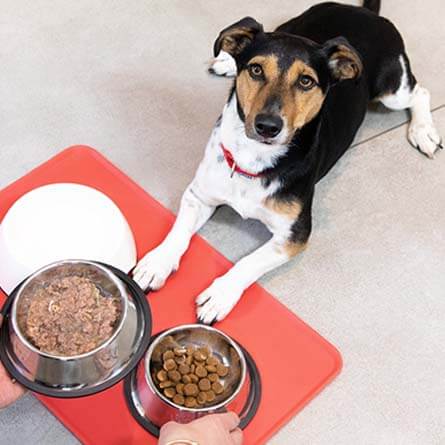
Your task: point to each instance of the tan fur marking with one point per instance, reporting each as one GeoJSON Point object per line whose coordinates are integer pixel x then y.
{"type": "Point", "coordinates": [300, 107]}
{"type": "Point", "coordinates": [292, 249]}
{"type": "Point", "coordinates": [290, 209]}
{"type": "Point", "coordinates": [234, 40]}
{"type": "Point", "coordinates": [346, 63]}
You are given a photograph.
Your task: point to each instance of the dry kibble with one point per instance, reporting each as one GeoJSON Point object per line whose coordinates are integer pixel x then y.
{"type": "Point", "coordinates": [174, 376]}
{"type": "Point", "coordinates": [211, 368]}
{"type": "Point", "coordinates": [222, 370]}
{"type": "Point", "coordinates": [161, 375]}
{"type": "Point", "coordinates": [202, 398]}
{"type": "Point", "coordinates": [179, 399]}
{"type": "Point", "coordinates": [165, 384]}
{"type": "Point", "coordinates": [192, 368]}
{"type": "Point", "coordinates": [194, 378]}
{"type": "Point", "coordinates": [210, 396]}
{"type": "Point", "coordinates": [200, 371]}
{"type": "Point", "coordinates": [180, 360]}
{"type": "Point", "coordinates": [170, 364]}
{"type": "Point", "coordinates": [168, 355]}
{"type": "Point", "coordinates": [190, 350]}
{"type": "Point", "coordinates": [191, 389]}
{"type": "Point", "coordinates": [199, 356]}
{"type": "Point", "coordinates": [217, 388]}
{"type": "Point", "coordinates": [213, 377]}
{"type": "Point", "coordinates": [190, 402]}
{"type": "Point", "coordinates": [184, 369]}
{"type": "Point", "coordinates": [186, 379]}
{"type": "Point", "coordinates": [180, 351]}
{"type": "Point", "coordinates": [212, 361]}
{"type": "Point", "coordinates": [180, 388]}
{"type": "Point", "coordinates": [169, 392]}
{"type": "Point", "coordinates": [204, 385]}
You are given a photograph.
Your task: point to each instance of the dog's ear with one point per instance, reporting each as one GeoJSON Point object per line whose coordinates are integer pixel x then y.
{"type": "Point", "coordinates": [344, 61]}
{"type": "Point", "coordinates": [235, 38]}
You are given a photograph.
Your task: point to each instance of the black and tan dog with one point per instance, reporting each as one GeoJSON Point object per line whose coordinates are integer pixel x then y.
{"type": "Point", "coordinates": [299, 97]}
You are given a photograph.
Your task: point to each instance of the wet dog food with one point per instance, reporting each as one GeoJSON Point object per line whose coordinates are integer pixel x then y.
{"type": "Point", "coordinates": [191, 377]}
{"type": "Point", "coordinates": [69, 316]}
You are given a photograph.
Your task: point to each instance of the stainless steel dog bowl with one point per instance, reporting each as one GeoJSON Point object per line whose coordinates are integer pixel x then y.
{"type": "Point", "coordinates": [152, 409]}
{"type": "Point", "coordinates": [93, 371]}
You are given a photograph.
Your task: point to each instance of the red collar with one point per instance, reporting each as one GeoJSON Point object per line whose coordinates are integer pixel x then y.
{"type": "Point", "coordinates": [232, 165]}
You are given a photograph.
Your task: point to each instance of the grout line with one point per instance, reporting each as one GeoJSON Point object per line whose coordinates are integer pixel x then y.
{"type": "Point", "coordinates": [392, 128]}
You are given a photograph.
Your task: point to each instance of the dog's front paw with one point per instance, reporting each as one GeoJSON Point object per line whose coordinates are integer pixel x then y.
{"type": "Point", "coordinates": [425, 138]}
{"type": "Point", "coordinates": [217, 301]}
{"type": "Point", "coordinates": [154, 269]}
{"type": "Point", "coordinates": [223, 65]}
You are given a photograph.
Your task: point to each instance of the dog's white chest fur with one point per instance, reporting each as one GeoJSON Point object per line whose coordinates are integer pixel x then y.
{"type": "Point", "coordinates": [216, 185]}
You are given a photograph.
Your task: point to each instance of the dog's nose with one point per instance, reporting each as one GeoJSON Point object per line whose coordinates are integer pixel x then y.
{"type": "Point", "coordinates": [268, 125]}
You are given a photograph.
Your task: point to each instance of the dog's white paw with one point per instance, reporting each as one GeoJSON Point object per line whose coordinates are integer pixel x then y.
{"type": "Point", "coordinates": [154, 269]}
{"type": "Point", "coordinates": [223, 65]}
{"type": "Point", "coordinates": [424, 137]}
{"type": "Point", "coordinates": [217, 301]}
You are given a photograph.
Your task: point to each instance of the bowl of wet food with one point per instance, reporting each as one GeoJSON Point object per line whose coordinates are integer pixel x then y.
{"type": "Point", "coordinates": [74, 328]}
{"type": "Point", "coordinates": [191, 371]}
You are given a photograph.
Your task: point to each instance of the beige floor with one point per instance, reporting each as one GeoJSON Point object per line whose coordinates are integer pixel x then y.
{"type": "Point", "coordinates": [129, 79]}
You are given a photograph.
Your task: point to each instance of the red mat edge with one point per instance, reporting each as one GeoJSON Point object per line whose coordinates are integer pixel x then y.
{"type": "Point", "coordinates": [335, 353]}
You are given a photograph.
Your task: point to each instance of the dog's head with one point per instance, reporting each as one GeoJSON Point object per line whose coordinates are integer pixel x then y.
{"type": "Point", "coordinates": [282, 80]}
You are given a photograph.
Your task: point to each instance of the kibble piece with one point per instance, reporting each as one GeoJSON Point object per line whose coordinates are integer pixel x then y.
{"type": "Point", "coordinates": [217, 388]}
{"type": "Point", "coordinates": [174, 376]}
{"type": "Point", "coordinates": [191, 389]}
{"type": "Point", "coordinates": [200, 371]}
{"type": "Point", "coordinates": [222, 370]}
{"type": "Point", "coordinates": [186, 379]}
{"type": "Point", "coordinates": [199, 356]}
{"type": "Point", "coordinates": [213, 377]}
{"type": "Point", "coordinates": [190, 350]}
{"type": "Point", "coordinates": [180, 351]}
{"type": "Point", "coordinates": [168, 355]}
{"type": "Point", "coordinates": [210, 395]}
{"type": "Point", "coordinates": [179, 399]}
{"type": "Point", "coordinates": [211, 368]}
{"type": "Point", "coordinates": [166, 384]}
{"type": "Point", "coordinates": [161, 375]}
{"type": "Point", "coordinates": [180, 388]}
{"type": "Point", "coordinates": [194, 378]}
{"type": "Point", "coordinates": [190, 402]}
{"type": "Point", "coordinates": [192, 368]}
{"type": "Point", "coordinates": [205, 351]}
{"type": "Point", "coordinates": [212, 361]}
{"type": "Point", "coordinates": [180, 360]}
{"type": "Point", "coordinates": [202, 398]}
{"type": "Point", "coordinates": [189, 360]}
{"type": "Point", "coordinates": [169, 392]}
{"type": "Point", "coordinates": [170, 364]}
{"type": "Point", "coordinates": [204, 385]}
{"type": "Point", "coordinates": [184, 369]}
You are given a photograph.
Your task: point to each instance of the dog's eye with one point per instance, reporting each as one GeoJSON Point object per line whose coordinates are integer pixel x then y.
{"type": "Point", "coordinates": [306, 82]}
{"type": "Point", "coordinates": [256, 71]}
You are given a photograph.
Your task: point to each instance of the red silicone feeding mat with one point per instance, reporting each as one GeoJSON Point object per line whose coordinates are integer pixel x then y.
{"type": "Point", "coordinates": [260, 323]}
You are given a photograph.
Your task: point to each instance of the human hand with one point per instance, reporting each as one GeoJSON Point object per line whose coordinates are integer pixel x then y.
{"type": "Point", "coordinates": [214, 429]}
{"type": "Point", "coordinates": [9, 390]}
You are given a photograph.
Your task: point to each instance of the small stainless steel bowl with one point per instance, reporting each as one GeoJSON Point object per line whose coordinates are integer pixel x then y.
{"type": "Point", "coordinates": [86, 373]}
{"type": "Point", "coordinates": [150, 401]}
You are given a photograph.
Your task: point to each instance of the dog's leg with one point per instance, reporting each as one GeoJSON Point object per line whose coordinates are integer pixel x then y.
{"type": "Point", "coordinates": [152, 271]}
{"type": "Point", "coordinates": [222, 295]}
{"type": "Point", "coordinates": [422, 133]}
{"type": "Point", "coordinates": [223, 65]}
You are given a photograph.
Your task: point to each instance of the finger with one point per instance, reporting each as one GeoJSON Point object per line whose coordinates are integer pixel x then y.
{"type": "Point", "coordinates": [236, 436]}
{"type": "Point", "coordinates": [229, 421]}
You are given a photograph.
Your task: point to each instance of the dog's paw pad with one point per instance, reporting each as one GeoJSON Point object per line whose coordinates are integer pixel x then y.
{"type": "Point", "coordinates": [425, 138]}
{"type": "Point", "coordinates": [154, 269]}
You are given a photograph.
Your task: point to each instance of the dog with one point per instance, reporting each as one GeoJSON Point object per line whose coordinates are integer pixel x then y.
{"type": "Point", "coordinates": [299, 96]}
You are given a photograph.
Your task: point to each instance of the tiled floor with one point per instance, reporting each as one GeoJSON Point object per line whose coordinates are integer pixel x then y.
{"type": "Point", "coordinates": [129, 79]}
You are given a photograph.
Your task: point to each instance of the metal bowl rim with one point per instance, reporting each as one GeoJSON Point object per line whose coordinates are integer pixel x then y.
{"type": "Point", "coordinates": [116, 281]}
{"type": "Point", "coordinates": [170, 331]}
